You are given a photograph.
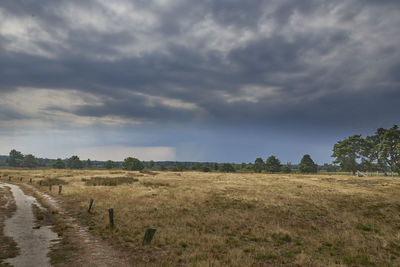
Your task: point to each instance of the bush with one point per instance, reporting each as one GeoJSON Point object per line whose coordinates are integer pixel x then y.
{"type": "Point", "coordinates": [272, 164]}
{"type": "Point", "coordinates": [59, 164]}
{"type": "Point", "coordinates": [109, 164]}
{"type": "Point", "coordinates": [132, 164]}
{"type": "Point", "coordinates": [227, 167]}
{"type": "Point", "coordinates": [286, 168]}
{"type": "Point", "coordinates": [307, 165]}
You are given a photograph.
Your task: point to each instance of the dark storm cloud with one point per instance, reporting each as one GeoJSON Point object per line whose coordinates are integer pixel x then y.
{"type": "Point", "coordinates": [305, 62]}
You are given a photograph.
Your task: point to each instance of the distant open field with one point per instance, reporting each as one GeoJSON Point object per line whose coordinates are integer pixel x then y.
{"type": "Point", "coordinates": [214, 219]}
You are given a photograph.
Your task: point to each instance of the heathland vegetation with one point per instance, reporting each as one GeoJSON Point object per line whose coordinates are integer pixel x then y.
{"type": "Point", "coordinates": [228, 219]}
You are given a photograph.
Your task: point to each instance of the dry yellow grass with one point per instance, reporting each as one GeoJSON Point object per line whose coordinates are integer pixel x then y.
{"type": "Point", "coordinates": [214, 219]}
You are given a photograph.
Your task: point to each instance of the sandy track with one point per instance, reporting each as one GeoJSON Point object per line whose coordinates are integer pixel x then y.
{"type": "Point", "coordinates": [33, 242]}
{"type": "Point", "coordinates": [89, 250]}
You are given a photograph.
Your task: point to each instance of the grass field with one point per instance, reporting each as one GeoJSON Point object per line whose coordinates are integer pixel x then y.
{"type": "Point", "coordinates": [214, 219]}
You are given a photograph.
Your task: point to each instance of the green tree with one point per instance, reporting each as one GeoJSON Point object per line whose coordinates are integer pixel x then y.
{"type": "Point", "coordinates": [370, 152]}
{"type": "Point", "coordinates": [132, 164]}
{"type": "Point", "coordinates": [15, 158]}
{"type": "Point", "coordinates": [177, 167]}
{"type": "Point", "coordinates": [259, 165]}
{"type": "Point", "coordinates": [215, 166]}
{"type": "Point", "coordinates": [59, 164]}
{"type": "Point", "coordinates": [109, 164]}
{"type": "Point", "coordinates": [205, 168]}
{"type": "Point", "coordinates": [197, 166]}
{"type": "Point", "coordinates": [389, 147]}
{"type": "Point", "coordinates": [307, 165]}
{"type": "Point", "coordinates": [272, 164]}
{"type": "Point", "coordinates": [151, 164]}
{"type": "Point", "coordinates": [74, 163]}
{"type": "Point", "coordinates": [88, 164]}
{"type": "Point", "coordinates": [227, 167]}
{"type": "Point", "coordinates": [243, 166]}
{"type": "Point", "coordinates": [346, 153]}
{"type": "Point", "coordinates": [286, 168]}
{"type": "Point", "coordinates": [29, 161]}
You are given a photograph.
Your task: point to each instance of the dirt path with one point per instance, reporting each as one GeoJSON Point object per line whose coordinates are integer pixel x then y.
{"type": "Point", "coordinates": [84, 248]}
{"type": "Point", "coordinates": [33, 242]}
{"type": "Point", "coordinates": [77, 248]}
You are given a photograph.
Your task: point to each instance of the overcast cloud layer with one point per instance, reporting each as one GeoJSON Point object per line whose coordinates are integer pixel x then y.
{"type": "Point", "coordinates": [206, 80]}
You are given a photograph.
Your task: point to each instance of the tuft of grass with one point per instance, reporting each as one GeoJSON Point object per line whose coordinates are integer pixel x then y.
{"type": "Point", "coordinates": [155, 184]}
{"type": "Point", "coordinates": [109, 181]}
{"type": "Point", "coordinates": [266, 256]}
{"type": "Point", "coordinates": [367, 228]}
{"type": "Point", "coordinates": [363, 259]}
{"type": "Point", "coordinates": [53, 181]}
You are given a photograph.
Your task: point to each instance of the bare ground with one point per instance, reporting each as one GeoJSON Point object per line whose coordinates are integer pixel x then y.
{"type": "Point", "coordinates": [78, 247]}
{"type": "Point", "coordinates": [8, 247]}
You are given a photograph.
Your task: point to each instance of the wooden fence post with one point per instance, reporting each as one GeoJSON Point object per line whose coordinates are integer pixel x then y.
{"type": "Point", "coordinates": [90, 205]}
{"type": "Point", "coordinates": [50, 187]}
{"type": "Point", "coordinates": [111, 216]}
{"type": "Point", "coordinates": [20, 179]}
{"type": "Point", "coordinates": [148, 236]}
{"type": "Point", "coordinates": [30, 180]}
{"type": "Point", "coordinates": [59, 189]}
{"type": "Point", "coordinates": [40, 183]}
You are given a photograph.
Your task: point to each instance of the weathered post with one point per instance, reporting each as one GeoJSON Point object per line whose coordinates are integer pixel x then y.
{"type": "Point", "coordinates": [90, 205]}
{"type": "Point", "coordinates": [40, 182]}
{"type": "Point", "coordinates": [20, 179]}
{"type": "Point", "coordinates": [59, 189]}
{"type": "Point", "coordinates": [111, 217]}
{"type": "Point", "coordinates": [9, 179]}
{"type": "Point", "coordinates": [30, 180]}
{"type": "Point", "coordinates": [148, 236]}
{"type": "Point", "coordinates": [50, 187]}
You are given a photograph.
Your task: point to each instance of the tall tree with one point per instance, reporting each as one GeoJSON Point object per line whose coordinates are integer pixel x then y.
{"type": "Point", "coordinates": [347, 152]}
{"type": "Point", "coordinates": [307, 165]}
{"type": "Point", "coordinates": [389, 148]}
{"type": "Point", "coordinates": [29, 161]}
{"type": "Point", "coordinates": [272, 164]}
{"type": "Point", "coordinates": [259, 165]}
{"type": "Point", "coordinates": [15, 158]}
{"type": "Point", "coordinates": [74, 163]}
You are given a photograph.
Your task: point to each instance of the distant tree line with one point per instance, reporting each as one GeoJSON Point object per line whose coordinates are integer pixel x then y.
{"type": "Point", "coordinates": [271, 165]}
{"type": "Point", "coordinates": [378, 152]}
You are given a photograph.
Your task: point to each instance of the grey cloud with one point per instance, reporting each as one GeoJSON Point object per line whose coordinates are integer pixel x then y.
{"type": "Point", "coordinates": [322, 73]}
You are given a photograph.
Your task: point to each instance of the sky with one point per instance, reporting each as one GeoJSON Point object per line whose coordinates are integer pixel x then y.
{"type": "Point", "coordinates": [202, 80]}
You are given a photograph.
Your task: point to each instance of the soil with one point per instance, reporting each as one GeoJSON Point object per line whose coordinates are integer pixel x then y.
{"type": "Point", "coordinates": [33, 228]}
